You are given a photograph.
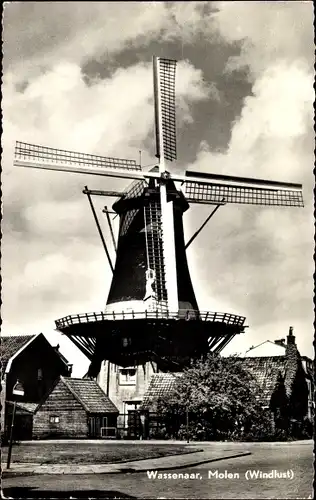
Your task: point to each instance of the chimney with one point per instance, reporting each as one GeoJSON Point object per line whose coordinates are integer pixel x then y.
{"type": "Point", "coordinates": [290, 337]}
{"type": "Point", "coordinates": [280, 342]}
{"type": "Point", "coordinates": [57, 347]}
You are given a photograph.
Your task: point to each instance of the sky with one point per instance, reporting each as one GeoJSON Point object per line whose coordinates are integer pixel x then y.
{"type": "Point", "coordinates": [78, 76]}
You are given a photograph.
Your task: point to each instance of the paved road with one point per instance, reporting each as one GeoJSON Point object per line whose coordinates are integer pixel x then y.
{"type": "Point", "coordinates": [292, 457]}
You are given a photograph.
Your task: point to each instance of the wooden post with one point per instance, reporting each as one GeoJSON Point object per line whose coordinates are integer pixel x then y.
{"type": "Point", "coordinates": [187, 424]}
{"type": "Point", "coordinates": [110, 226]}
{"type": "Point", "coordinates": [99, 228]}
{"type": "Point", "coordinates": [108, 379]}
{"type": "Point", "coordinates": [11, 437]}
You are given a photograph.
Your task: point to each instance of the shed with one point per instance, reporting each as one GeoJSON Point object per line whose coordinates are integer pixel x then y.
{"type": "Point", "coordinates": [75, 408]}
{"type": "Point", "coordinates": [23, 421]}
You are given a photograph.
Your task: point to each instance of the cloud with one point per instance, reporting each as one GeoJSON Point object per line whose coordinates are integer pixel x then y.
{"type": "Point", "coordinates": [60, 103]}
{"type": "Point", "coordinates": [269, 32]}
{"type": "Point", "coordinates": [54, 32]}
{"type": "Point", "coordinates": [268, 137]}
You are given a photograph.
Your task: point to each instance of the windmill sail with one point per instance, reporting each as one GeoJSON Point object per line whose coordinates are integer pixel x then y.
{"type": "Point", "coordinates": [165, 108]}
{"type": "Point", "coordinates": [165, 120]}
{"type": "Point", "coordinates": [213, 188]}
{"type": "Point", "coordinates": [34, 156]}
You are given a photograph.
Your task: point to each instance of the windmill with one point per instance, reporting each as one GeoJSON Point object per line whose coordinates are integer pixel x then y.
{"type": "Point", "coordinates": [151, 312]}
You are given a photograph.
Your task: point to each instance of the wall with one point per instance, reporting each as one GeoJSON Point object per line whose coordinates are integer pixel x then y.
{"type": "Point", "coordinates": [61, 403]}
{"type": "Point", "coordinates": [2, 400]}
{"type": "Point", "coordinates": [119, 393]}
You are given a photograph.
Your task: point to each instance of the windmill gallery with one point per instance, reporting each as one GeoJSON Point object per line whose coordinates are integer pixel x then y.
{"type": "Point", "coordinates": [152, 324]}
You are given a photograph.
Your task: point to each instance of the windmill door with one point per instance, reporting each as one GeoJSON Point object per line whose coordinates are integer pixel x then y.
{"type": "Point", "coordinates": [133, 424]}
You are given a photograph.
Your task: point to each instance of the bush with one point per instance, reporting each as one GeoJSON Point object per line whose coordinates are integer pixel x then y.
{"type": "Point", "coordinates": [196, 432]}
{"type": "Point", "coordinates": [307, 429]}
{"type": "Point", "coordinates": [218, 393]}
{"type": "Point", "coordinates": [302, 430]}
{"type": "Point", "coordinates": [159, 433]}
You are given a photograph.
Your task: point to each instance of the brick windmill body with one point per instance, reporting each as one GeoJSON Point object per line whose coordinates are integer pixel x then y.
{"type": "Point", "coordinates": [151, 321]}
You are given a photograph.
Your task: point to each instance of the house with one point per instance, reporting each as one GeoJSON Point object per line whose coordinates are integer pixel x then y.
{"type": "Point", "coordinates": [308, 366]}
{"type": "Point", "coordinates": [75, 408]}
{"type": "Point", "coordinates": [281, 373]}
{"type": "Point", "coordinates": [36, 364]}
{"type": "Point", "coordinates": [270, 360]}
{"type": "Point", "coordinates": [148, 422]}
{"type": "Point", "coordinates": [160, 385]}
{"type": "Point", "coordinates": [126, 386]}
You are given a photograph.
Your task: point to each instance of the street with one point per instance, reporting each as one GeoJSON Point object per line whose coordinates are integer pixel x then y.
{"type": "Point", "coordinates": [223, 479]}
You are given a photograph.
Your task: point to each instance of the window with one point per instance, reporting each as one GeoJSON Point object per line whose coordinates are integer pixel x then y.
{"type": "Point", "coordinates": [40, 374]}
{"type": "Point", "coordinates": [54, 419]}
{"type": "Point", "coordinates": [127, 376]}
{"type": "Point", "coordinates": [309, 386]}
{"type": "Point", "coordinates": [126, 341]}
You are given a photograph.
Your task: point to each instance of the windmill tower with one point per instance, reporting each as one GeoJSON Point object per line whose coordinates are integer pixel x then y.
{"type": "Point", "coordinates": [151, 320]}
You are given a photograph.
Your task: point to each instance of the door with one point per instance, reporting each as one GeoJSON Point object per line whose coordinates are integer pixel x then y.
{"type": "Point", "coordinates": [97, 426]}
{"type": "Point", "coordinates": [133, 424]}
{"type": "Point", "coordinates": [91, 427]}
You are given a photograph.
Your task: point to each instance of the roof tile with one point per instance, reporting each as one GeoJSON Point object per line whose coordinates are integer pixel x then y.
{"type": "Point", "coordinates": [160, 384]}
{"type": "Point", "coordinates": [90, 394]}
{"type": "Point", "coordinates": [266, 370]}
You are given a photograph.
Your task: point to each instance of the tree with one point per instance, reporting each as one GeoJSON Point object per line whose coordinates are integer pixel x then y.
{"type": "Point", "coordinates": [279, 405]}
{"type": "Point", "coordinates": [220, 397]}
{"type": "Point", "coordinates": [299, 396]}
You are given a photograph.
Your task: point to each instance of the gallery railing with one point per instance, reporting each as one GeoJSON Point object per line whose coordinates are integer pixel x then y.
{"type": "Point", "coordinates": [184, 314]}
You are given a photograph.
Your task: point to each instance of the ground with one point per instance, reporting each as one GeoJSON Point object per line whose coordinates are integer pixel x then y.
{"type": "Point", "coordinates": [265, 457]}
{"type": "Point", "coordinates": [87, 452]}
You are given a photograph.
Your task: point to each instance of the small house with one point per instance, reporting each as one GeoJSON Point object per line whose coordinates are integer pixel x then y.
{"type": "Point", "coordinates": [75, 408]}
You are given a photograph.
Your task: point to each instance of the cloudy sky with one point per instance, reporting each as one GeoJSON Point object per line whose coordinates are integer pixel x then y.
{"type": "Point", "coordinates": [78, 76]}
